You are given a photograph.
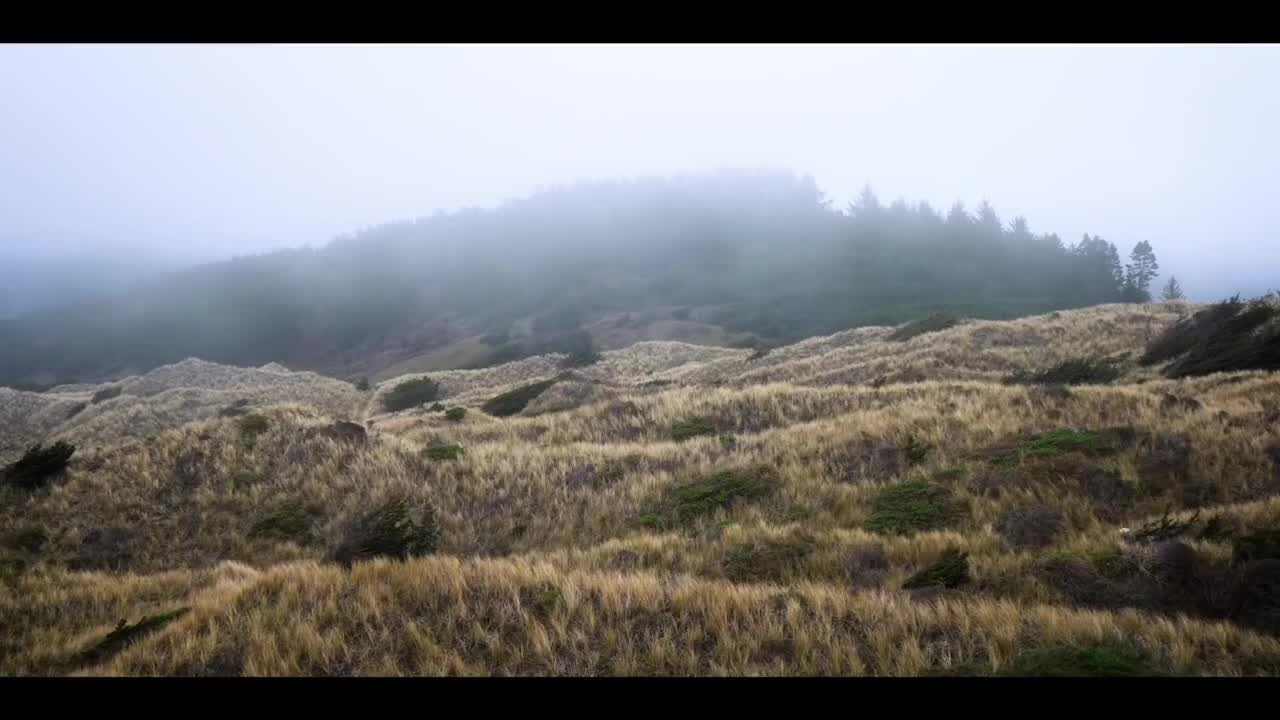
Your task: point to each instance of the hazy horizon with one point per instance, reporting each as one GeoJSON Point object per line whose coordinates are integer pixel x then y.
{"type": "Point", "coordinates": [195, 153]}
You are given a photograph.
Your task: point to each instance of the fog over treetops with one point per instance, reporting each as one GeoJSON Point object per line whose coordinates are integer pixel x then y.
{"type": "Point", "coordinates": [124, 161]}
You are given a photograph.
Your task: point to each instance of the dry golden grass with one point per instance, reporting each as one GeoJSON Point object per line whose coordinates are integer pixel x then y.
{"type": "Point", "coordinates": [546, 563]}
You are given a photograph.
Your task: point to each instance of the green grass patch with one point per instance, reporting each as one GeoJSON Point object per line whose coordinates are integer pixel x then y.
{"type": "Point", "coordinates": [914, 506]}
{"type": "Point", "coordinates": [763, 562]}
{"type": "Point", "coordinates": [411, 394]}
{"type": "Point", "coordinates": [1062, 441]}
{"type": "Point", "coordinates": [1105, 659]}
{"type": "Point", "coordinates": [689, 500]}
{"type": "Point", "coordinates": [691, 427]}
{"type": "Point", "coordinates": [511, 402]}
{"type": "Point", "coordinates": [438, 453]}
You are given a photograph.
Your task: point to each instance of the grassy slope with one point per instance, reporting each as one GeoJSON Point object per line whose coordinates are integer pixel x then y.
{"type": "Point", "coordinates": [546, 566]}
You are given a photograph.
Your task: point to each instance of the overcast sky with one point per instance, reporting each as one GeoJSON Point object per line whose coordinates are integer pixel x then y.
{"type": "Point", "coordinates": [234, 148]}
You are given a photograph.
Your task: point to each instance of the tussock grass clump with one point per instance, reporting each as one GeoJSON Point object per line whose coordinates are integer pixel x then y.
{"type": "Point", "coordinates": [442, 452]}
{"type": "Point", "coordinates": [1230, 335]}
{"type": "Point", "coordinates": [125, 635]}
{"type": "Point", "coordinates": [949, 571]}
{"type": "Point", "coordinates": [704, 495]}
{"type": "Point", "coordinates": [914, 506]}
{"type": "Point", "coordinates": [38, 465]}
{"type": "Point", "coordinates": [1104, 659]}
{"type": "Point", "coordinates": [411, 394]}
{"type": "Point", "coordinates": [1076, 371]}
{"type": "Point", "coordinates": [923, 326]}
{"type": "Point", "coordinates": [691, 427]}
{"type": "Point", "coordinates": [512, 402]}
{"type": "Point", "coordinates": [107, 393]}
{"type": "Point", "coordinates": [392, 531]}
{"type": "Point", "coordinates": [455, 414]}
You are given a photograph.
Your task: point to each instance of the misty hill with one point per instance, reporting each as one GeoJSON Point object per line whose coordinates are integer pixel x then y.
{"type": "Point", "coordinates": [751, 259]}
{"type": "Point", "coordinates": [878, 501]}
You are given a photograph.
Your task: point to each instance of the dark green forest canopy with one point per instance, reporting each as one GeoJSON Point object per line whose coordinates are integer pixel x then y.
{"type": "Point", "coordinates": [760, 252]}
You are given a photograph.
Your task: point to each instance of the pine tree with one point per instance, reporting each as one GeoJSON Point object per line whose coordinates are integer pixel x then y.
{"type": "Point", "coordinates": [1139, 273]}
{"type": "Point", "coordinates": [1172, 290]}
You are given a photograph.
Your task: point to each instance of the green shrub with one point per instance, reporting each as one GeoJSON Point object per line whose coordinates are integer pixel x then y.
{"type": "Point", "coordinates": [931, 324]}
{"type": "Point", "coordinates": [1082, 371]}
{"type": "Point", "coordinates": [1091, 442]}
{"type": "Point", "coordinates": [1260, 545]}
{"type": "Point", "coordinates": [286, 521]}
{"type": "Point", "coordinates": [511, 402]}
{"type": "Point", "coordinates": [411, 394]}
{"type": "Point", "coordinates": [39, 464]}
{"type": "Point", "coordinates": [1227, 336]}
{"type": "Point", "coordinates": [443, 452]}
{"type": "Point", "coordinates": [389, 531]}
{"type": "Point", "coordinates": [767, 561]}
{"type": "Point", "coordinates": [125, 635]}
{"type": "Point", "coordinates": [30, 539]}
{"type": "Point", "coordinates": [703, 495]}
{"type": "Point", "coordinates": [914, 506]}
{"type": "Point", "coordinates": [362, 384]}
{"type": "Point", "coordinates": [107, 393]}
{"type": "Point", "coordinates": [950, 571]}
{"type": "Point", "coordinates": [728, 442]}
{"type": "Point", "coordinates": [1105, 659]}
{"type": "Point", "coordinates": [251, 426]}
{"type": "Point", "coordinates": [915, 450]}
{"type": "Point", "coordinates": [455, 414]}
{"type": "Point", "coordinates": [76, 409]}
{"type": "Point", "coordinates": [437, 408]}
{"type": "Point", "coordinates": [691, 427]}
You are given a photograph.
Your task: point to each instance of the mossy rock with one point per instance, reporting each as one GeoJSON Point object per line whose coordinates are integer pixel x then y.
{"type": "Point", "coordinates": [914, 506]}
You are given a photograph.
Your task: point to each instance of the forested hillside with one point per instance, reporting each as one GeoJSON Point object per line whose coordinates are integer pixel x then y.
{"type": "Point", "coordinates": [743, 258]}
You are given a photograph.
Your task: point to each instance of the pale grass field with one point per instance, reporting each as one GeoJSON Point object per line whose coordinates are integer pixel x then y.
{"type": "Point", "coordinates": [545, 565]}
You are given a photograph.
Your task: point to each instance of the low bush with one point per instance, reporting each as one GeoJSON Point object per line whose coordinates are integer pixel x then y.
{"type": "Point", "coordinates": [438, 453]}
{"type": "Point", "coordinates": [285, 521]}
{"type": "Point", "coordinates": [704, 495]}
{"type": "Point", "coordinates": [411, 394]}
{"type": "Point", "coordinates": [691, 427]}
{"type": "Point", "coordinates": [76, 409]}
{"type": "Point", "coordinates": [950, 571]}
{"type": "Point", "coordinates": [1230, 335]}
{"type": "Point", "coordinates": [1080, 371]}
{"type": "Point", "coordinates": [771, 561]}
{"type": "Point", "coordinates": [931, 324]}
{"type": "Point", "coordinates": [391, 530]}
{"type": "Point", "coordinates": [513, 401]}
{"type": "Point", "coordinates": [38, 465]}
{"type": "Point", "coordinates": [455, 414]}
{"type": "Point", "coordinates": [125, 635]}
{"type": "Point", "coordinates": [914, 506]}
{"type": "Point", "coordinates": [107, 393]}
{"type": "Point", "coordinates": [251, 426]}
